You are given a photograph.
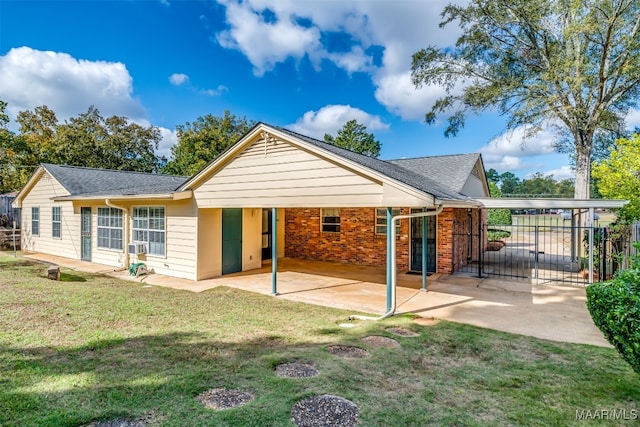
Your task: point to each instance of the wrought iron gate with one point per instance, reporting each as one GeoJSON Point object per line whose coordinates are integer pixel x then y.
{"type": "Point", "coordinates": [546, 253]}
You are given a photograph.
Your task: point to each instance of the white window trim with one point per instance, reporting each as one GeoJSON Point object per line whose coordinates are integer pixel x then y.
{"type": "Point", "coordinates": [164, 230]}
{"type": "Point", "coordinates": [109, 227]}
{"type": "Point", "coordinates": [322, 223]}
{"type": "Point", "coordinates": [395, 212]}
{"type": "Point", "coordinates": [59, 222]}
{"type": "Point", "coordinates": [35, 220]}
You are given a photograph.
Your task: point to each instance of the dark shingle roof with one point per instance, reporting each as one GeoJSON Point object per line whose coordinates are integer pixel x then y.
{"type": "Point", "coordinates": [452, 170]}
{"type": "Point", "coordinates": [80, 181]}
{"type": "Point", "coordinates": [409, 177]}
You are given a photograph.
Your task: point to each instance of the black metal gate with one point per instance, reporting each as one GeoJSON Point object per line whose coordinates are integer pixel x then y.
{"type": "Point", "coordinates": [546, 253]}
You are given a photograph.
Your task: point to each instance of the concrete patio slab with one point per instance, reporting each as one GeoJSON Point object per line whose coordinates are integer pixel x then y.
{"type": "Point", "coordinates": [548, 312]}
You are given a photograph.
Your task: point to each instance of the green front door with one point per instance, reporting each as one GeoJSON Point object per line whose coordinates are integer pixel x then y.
{"type": "Point", "coordinates": [231, 240]}
{"type": "Point", "coordinates": [85, 234]}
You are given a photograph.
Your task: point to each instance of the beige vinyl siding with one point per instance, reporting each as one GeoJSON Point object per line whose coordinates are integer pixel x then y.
{"type": "Point", "coordinates": [286, 177]}
{"type": "Point", "coordinates": [181, 240]}
{"type": "Point", "coordinates": [40, 195]}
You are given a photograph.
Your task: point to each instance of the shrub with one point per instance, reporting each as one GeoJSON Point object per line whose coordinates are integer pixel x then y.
{"type": "Point", "coordinates": [496, 234]}
{"type": "Point", "coordinates": [615, 309]}
{"type": "Point", "coordinates": [498, 217]}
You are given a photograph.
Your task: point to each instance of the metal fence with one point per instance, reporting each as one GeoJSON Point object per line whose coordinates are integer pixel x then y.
{"type": "Point", "coordinates": [7, 213]}
{"type": "Point", "coordinates": [547, 253]}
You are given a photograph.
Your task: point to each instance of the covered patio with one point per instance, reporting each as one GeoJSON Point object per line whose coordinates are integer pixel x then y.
{"type": "Point", "coordinates": [554, 313]}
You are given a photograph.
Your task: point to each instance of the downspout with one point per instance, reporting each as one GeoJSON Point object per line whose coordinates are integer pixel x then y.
{"type": "Point", "coordinates": [390, 312]}
{"type": "Point", "coordinates": [125, 230]}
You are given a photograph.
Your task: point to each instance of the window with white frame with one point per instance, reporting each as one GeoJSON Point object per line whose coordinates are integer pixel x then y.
{"type": "Point", "coordinates": [330, 220]}
{"type": "Point", "coordinates": [55, 221]}
{"type": "Point", "coordinates": [149, 226]}
{"type": "Point", "coordinates": [110, 228]}
{"type": "Point", "coordinates": [381, 220]}
{"type": "Point", "coordinates": [35, 221]}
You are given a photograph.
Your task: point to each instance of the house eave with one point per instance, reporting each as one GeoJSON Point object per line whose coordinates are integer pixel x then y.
{"type": "Point", "coordinates": [518, 203]}
{"type": "Point", "coordinates": [179, 195]}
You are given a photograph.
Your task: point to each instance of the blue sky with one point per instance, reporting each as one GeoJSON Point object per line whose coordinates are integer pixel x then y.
{"type": "Point", "coordinates": [307, 65]}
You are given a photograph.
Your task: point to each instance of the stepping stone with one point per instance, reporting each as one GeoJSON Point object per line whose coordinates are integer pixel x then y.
{"type": "Point", "coordinates": [402, 332]}
{"type": "Point", "coordinates": [118, 423]}
{"type": "Point", "coordinates": [325, 410]}
{"type": "Point", "coordinates": [221, 398]}
{"type": "Point", "coordinates": [348, 352]}
{"type": "Point", "coordinates": [378, 341]}
{"type": "Point", "coordinates": [296, 370]}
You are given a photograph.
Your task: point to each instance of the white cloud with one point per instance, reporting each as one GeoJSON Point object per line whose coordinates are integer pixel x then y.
{"type": "Point", "coordinates": [215, 92]}
{"type": "Point", "coordinates": [178, 79]}
{"type": "Point", "coordinates": [169, 138]}
{"type": "Point", "coordinates": [30, 78]}
{"type": "Point", "coordinates": [633, 119]}
{"type": "Point", "coordinates": [563, 172]}
{"type": "Point", "coordinates": [516, 143]}
{"type": "Point", "coordinates": [269, 32]}
{"type": "Point", "coordinates": [504, 163]}
{"type": "Point", "coordinates": [331, 118]}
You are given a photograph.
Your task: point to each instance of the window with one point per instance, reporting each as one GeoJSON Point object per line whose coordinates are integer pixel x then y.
{"type": "Point", "coordinates": [149, 228]}
{"type": "Point", "coordinates": [110, 228]}
{"type": "Point", "coordinates": [381, 220]}
{"type": "Point", "coordinates": [55, 221]}
{"type": "Point", "coordinates": [331, 220]}
{"type": "Point", "coordinates": [35, 221]}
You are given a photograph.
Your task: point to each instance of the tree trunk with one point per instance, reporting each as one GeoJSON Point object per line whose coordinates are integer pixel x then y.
{"type": "Point", "coordinates": [583, 169]}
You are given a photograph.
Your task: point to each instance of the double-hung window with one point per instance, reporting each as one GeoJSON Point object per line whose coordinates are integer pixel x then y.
{"type": "Point", "coordinates": [35, 221]}
{"type": "Point", "coordinates": [381, 220]}
{"type": "Point", "coordinates": [149, 226]}
{"type": "Point", "coordinates": [110, 228]}
{"type": "Point", "coordinates": [331, 220]}
{"type": "Point", "coordinates": [55, 221]}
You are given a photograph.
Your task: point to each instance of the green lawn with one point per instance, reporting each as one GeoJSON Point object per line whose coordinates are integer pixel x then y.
{"type": "Point", "coordinates": [94, 348]}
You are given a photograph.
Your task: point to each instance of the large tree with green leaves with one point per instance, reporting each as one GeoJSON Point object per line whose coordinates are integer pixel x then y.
{"type": "Point", "coordinates": [619, 175]}
{"type": "Point", "coordinates": [203, 140]}
{"type": "Point", "coordinates": [353, 136]}
{"type": "Point", "coordinates": [571, 63]}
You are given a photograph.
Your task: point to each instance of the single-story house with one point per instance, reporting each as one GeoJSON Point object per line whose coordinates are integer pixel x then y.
{"type": "Point", "coordinates": [274, 192]}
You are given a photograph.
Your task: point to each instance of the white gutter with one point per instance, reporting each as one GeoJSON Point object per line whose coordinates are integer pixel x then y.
{"type": "Point", "coordinates": [125, 229]}
{"type": "Point", "coordinates": [393, 262]}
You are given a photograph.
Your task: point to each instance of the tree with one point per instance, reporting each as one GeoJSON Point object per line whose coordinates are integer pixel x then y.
{"type": "Point", "coordinates": [497, 216]}
{"type": "Point", "coordinates": [539, 185]}
{"type": "Point", "coordinates": [619, 176]}
{"type": "Point", "coordinates": [492, 176]}
{"type": "Point", "coordinates": [571, 63]}
{"type": "Point", "coordinates": [509, 183]}
{"type": "Point", "coordinates": [354, 137]}
{"type": "Point", "coordinates": [203, 140]}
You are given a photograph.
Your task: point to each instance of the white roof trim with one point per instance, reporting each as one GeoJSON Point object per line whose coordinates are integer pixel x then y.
{"type": "Point", "coordinates": [515, 203]}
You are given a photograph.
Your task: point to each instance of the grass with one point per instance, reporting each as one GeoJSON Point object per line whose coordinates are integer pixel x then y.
{"type": "Point", "coordinates": [95, 348]}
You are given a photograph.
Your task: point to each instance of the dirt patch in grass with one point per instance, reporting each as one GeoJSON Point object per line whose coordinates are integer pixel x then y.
{"type": "Point", "coordinates": [147, 420]}
{"type": "Point", "coordinates": [424, 321]}
{"type": "Point", "coordinates": [296, 370]}
{"type": "Point", "coordinates": [402, 332]}
{"type": "Point", "coordinates": [378, 341]}
{"type": "Point", "coordinates": [348, 351]}
{"type": "Point", "coordinates": [325, 410]}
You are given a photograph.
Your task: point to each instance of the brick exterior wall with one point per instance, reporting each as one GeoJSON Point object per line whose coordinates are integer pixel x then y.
{"type": "Point", "coordinates": [357, 242]}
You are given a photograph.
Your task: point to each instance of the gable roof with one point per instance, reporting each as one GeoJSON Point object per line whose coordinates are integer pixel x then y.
{"type": "Point", "coordinates": [452, 171]}
{"type": "Point", "coordinates": [86, 182]}
{"type": "Point", "coordinates": [409, 178]}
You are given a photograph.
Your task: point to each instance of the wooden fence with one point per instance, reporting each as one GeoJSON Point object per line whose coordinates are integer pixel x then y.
{"type": "Point", "coordinates": [7, 212]}
{"type": "Point", "coordinates": [7, 239]}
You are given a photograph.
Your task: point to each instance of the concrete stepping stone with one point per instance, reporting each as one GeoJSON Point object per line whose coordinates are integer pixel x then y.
{"type": "Point", "coordinates": [325, 410]}
{"type": "Point", "coordinates": [296, 370]}
{"type": "Point", "coordinates": [221, 398]}
{"type": "Point", "coordinates": [378, 341]}
{"type": "Point", "coordinates": [348, 351]}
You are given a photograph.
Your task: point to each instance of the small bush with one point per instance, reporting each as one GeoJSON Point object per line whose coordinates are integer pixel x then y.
{"type": "Point", "coordinates": [615, 309]}
{"type": "Point", "coordinates": [498, 217]}
{"type": "Point", "coordinates": [495, 234]}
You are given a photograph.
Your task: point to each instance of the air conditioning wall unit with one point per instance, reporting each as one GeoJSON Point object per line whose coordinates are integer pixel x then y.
{"type": "Point", "coordinates": [137, 248]}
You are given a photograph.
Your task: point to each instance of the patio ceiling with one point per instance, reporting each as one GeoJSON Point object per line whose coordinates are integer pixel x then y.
{"type": "Point", "coordinates": [537, 203]}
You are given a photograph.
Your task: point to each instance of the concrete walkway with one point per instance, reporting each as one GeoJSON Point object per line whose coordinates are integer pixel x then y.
{"type": "Point", "coordinates": [548, 312]}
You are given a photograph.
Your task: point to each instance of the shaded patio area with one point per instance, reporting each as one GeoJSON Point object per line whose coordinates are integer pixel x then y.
{"type": "Point", "coordinates": [548, 312]}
